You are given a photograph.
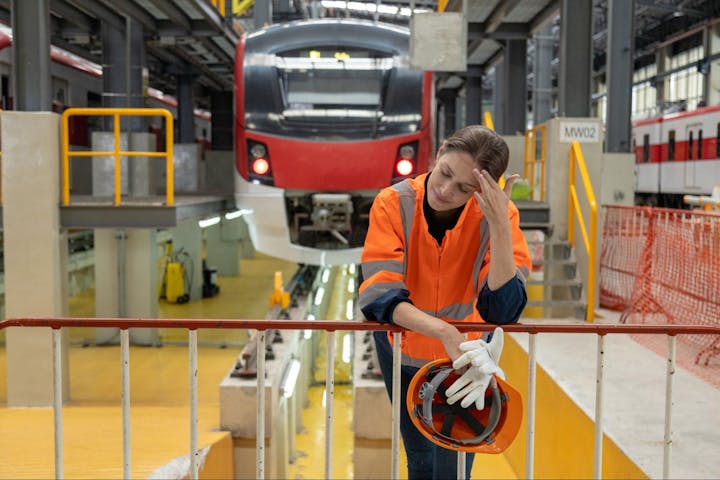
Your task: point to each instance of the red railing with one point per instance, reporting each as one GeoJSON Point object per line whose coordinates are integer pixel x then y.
{"type": "Point", "coordinates": [192, 325]}
{"type": "Point", "coordinates": [333, 325]}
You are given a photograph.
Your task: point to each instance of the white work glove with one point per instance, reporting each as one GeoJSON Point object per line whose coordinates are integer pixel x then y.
{"type": "Point", "coordinates": [482, 359]}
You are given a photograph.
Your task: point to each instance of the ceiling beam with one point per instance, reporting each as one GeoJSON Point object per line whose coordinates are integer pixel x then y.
{"type": "Point", "coordinates": [74, 16]}
{"type": "Point", "coordinates": [101, 12]}
{"type": "Point", "coordinates": [545, 15]}
{"type": "Point", "coordinates": [132, 10]}
{"type": "Point", "coordinates": [174, 13]}
{"type": "Point", "coordinates": [214, 18]}
{"type": "Point", "coordinates": [497, 16]}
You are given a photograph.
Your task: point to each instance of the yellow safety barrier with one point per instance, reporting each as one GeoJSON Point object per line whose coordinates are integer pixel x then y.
{"type": "Point", "coordinates": [531, 158]}
{"type": "Point", "coordinates": [577, 159]}
{"type": "Point", "coordinates": [219, 6]}
{"type": "Point", "coordinates": [117, 153]}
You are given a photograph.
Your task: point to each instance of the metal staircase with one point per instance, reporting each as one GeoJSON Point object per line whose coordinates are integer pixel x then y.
{"type": "Point", "coordinates": [562, 286]}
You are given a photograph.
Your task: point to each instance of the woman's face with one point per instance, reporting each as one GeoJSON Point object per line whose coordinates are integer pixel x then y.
{"type": "Point", "coordinates": [451, 182]}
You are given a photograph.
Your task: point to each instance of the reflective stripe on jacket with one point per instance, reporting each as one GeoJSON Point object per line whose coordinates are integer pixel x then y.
{"type": "Point", "coordinates": [443, 280]}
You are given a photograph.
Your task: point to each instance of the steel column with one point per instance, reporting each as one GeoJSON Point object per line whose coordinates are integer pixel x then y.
{"type": "Point", "coordinates": [123, 58]}
{"type": "Point", "coordinates": [542, 97]}
{"type": "Point", "coordinates": [575, 58]}
{"type": "Point", "coordinates": [31, 55]}
{"type": "Point", "coordinates": [515, 58]}
{"type": "Point", "coordinates": [185, 109]}
{"type": "Point", "coordinates": [620, 47]}
{"type": "Point", "coordinates": [473, 97]}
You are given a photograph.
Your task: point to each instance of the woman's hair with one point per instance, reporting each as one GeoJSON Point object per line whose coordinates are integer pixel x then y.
{"type": "Point", "coordinates": [487, 148]}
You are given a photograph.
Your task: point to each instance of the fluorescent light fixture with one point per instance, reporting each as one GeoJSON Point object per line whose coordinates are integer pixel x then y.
{"type": "Point", "coordinates": [350, 309]}
{"type": "Point", "coordinates": [208, 221]}
{"type": "Point", "coordinates": [370, 7]}
{"type": "Point", "coordinates": [351, 269]}
{"type": "Point", "coordinates": [325, 275]}
{"type": "Point", "coordinates": [351, 285]}
{"type": "Point", "coordinates": [319, 295]}
{"type": "Point", "coordinates": [307, 334]}
{"type": "Point", "coordinates": [346, 348]}
{"type": "Point", "coordinates": [311, 316]}
{"type": "Point", "coordinates": [287, 385]}
{"type": "Point", "coordinates": [237, 214]}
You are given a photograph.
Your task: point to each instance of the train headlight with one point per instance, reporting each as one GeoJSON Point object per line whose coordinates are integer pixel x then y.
{"type": "Point", "coordinates": [260, 166]}
{"type": "Point", "coordinates": [404, 167]}
{"type": "Point", "coordinates": [258, 151]}
{"type": "Point", "coordinates": [407, 151]}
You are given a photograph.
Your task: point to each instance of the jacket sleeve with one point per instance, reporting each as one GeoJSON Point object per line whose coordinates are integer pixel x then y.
{"type": "Point", "coordinates": [383, 261]}
{"type": "Point", "coordinates": [505, 304]}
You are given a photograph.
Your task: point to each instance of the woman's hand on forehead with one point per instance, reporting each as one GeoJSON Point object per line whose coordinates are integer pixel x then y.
{"type": "Point", "coordinates": [491, 199]}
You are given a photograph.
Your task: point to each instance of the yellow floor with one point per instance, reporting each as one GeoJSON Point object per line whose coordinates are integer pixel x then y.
{"type": "Point", "coordinates": [159, 391]}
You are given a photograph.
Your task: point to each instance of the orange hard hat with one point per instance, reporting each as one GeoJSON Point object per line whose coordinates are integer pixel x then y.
{"type": "Point", "coordinates": [490, 430]}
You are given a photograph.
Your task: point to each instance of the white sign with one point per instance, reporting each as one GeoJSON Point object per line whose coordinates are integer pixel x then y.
{"type": "Point", "coordinates": [583, 132]}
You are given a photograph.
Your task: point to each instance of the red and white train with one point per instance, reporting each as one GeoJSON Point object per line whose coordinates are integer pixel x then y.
{"type": "Point", "coordinates": [677, 154]}
{"type": "Point", "coordinates": [327, 113]}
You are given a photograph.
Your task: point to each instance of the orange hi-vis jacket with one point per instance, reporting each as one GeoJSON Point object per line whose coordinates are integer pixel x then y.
{"type": "Point", "coordinates": [444, 281]}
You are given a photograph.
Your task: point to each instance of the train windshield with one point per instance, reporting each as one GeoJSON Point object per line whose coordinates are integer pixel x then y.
{"type": "Point", "coordinates": [332, 94]}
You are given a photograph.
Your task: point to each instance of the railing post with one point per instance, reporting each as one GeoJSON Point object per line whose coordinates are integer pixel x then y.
{"type": "Point", "coordinates": [260, 436]}
{"type": "Point", "coordinates": [125, 398]}
{"type": "Point", "coordinates": [57, 400]}
{"type": "Point", "coordinates": [65, 160]}
{"type": "Point", "coordinates": [461, 465]}
{"type": "Point", "coordinates": [118, 173]}
{"type": "Point", "coordinates": [329, 398]}
{"type": "Point", "coordinates": [395, 447]}
{"type": "Point", "coordinates": [530, 423]}
{"type": "Point", "coordinates": [193, 352]}
{"type": "Point", "coordinates": [597, 457]}
{"type": "Point", "coordinates": [670, 376]}
{"type": "Point", "coordinates": [571, 188]}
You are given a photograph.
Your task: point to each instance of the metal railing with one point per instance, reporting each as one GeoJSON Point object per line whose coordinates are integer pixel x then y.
{"type": "Point", "coordinates": [576, 159]}
{"type": "Point", "coordinates": [531, 159]}
{"type": "Point", "coordinates": [192, 325]}
{"type": "Point", "coordinates": [116, 113]}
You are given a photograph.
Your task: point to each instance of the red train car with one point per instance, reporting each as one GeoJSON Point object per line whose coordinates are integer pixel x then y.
{"type": "Point", "coordinates": [677, 154]}
{"type": "Point", "coordinates": [327, 113]}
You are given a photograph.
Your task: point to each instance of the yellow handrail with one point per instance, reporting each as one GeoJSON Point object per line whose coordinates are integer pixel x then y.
{"type": "Point", "coordinates": [116, 113]}
{"type": "Point", "coordinates": [489, 121]}
{"type": "Point", "coordinates": [531, 158]}
{"type": "Point", "coordinates": [219, 6]}
{"type": "Point", "coordinates": [489, 124]}
{"type": "Point", "coordinates": [576, 159]}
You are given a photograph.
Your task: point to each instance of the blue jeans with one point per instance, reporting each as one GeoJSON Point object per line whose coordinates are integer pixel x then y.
{"type": "Point", "coordinates": [425, 459]}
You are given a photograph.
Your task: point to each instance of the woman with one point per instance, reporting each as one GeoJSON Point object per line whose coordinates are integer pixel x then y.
{"type": "Point", "coordinates": [445, 246]}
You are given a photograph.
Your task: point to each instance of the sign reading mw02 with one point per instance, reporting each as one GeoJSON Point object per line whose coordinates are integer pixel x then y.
{"type": "Point", "coordinates": [583, 132]}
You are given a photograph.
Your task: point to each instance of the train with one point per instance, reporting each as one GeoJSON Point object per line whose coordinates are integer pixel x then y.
{"type": "Point", "coordinates": [677, 154]}
{"type": "Point", "coordinates": [327, 113]}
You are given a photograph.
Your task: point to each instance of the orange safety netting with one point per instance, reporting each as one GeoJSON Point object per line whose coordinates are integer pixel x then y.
{"type": "Point", "coordinates": [662, 266]}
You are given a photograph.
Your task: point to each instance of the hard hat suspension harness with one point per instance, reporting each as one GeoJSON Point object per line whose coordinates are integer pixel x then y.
{"type": "Point", "coordinates": [426, 410]}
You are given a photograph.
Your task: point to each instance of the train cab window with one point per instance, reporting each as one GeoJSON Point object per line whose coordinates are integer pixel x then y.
{"type": "Point", "coordinates": [646, 148]}
{"type": "Point", "coordinates": [671, 145]}
{"type": "Point", "coordinates": [689, 155]}
{"type": "Point", "coordinates": [699, 143]}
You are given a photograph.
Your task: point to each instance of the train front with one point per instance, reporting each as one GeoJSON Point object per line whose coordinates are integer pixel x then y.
{"type": "Point", "coordinates": [327, 114]}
